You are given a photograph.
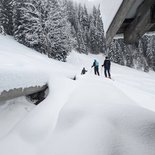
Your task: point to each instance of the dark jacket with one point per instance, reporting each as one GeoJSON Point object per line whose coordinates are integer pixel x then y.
{"type": "Point", "coordinates": [107, 64]}
{"type": "Point", "coordinates": [83, 71]}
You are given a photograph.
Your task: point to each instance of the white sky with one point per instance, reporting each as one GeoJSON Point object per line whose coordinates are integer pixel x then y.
{"type": "Point", "coordinates": [108, 9]}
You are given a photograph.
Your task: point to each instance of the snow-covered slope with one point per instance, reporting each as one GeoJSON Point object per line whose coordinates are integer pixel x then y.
{"type": "Point", "coordinates": [90, 116]}
{"type": "Point", "coordinates": [17, 65]}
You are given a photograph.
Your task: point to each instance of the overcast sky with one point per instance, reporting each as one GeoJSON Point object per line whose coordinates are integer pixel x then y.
{"type": "Point", "coordinates": [108, 9]}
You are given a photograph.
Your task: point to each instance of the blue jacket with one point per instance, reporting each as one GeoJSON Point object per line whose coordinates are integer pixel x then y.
{"type": "Point", "coordinates": [95, 64]}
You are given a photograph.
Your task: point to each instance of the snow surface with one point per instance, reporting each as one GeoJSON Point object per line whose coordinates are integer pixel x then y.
{"type": "Point", "coordinates": [89, 116]}
{"type": "Point", "coordinates": [18, 66]}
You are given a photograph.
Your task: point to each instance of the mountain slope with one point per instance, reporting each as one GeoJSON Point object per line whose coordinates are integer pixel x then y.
{"type": "Point", "coordinates": [90, 116]}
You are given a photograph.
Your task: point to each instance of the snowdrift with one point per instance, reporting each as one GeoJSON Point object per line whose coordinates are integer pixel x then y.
{"type": "Point", "coordinates": [89, 116]}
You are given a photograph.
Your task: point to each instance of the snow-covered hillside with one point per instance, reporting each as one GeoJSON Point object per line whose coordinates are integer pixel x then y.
{"type": "Point", "coordinates": [89, 116]}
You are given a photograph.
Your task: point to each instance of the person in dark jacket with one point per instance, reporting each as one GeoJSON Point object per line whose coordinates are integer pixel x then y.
{"type": "Point", "coordinates": [107, 65]}
{"type": "Point", "coordinates": [83, 71]}
{"type": "Point", "coordinates": [96, 67]}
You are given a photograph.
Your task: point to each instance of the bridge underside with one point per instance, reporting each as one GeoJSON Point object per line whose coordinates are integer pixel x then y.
{"type": "Point", "coordinates": [133, 19]}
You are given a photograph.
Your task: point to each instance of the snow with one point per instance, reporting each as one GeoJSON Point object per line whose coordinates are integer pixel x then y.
{"type": "Point", "coordinates": [119, 36]}
{"type": "Point", "coordinates": [92, 115]}
{"type": "Point", "coordinates": [17, 66]}
{"type": "Point", "coordinates": [11, 112]}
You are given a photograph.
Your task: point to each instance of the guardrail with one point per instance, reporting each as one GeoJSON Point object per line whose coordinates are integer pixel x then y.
{"type": "Point", "coordinates": [17, 92]}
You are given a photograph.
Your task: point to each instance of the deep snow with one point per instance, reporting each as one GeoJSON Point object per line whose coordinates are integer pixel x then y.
{"type": "Point", "coordinates": [90, 116]}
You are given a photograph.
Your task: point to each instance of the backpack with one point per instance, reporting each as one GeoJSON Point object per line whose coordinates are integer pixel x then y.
{"type": "Point", "coordinates": [96, 63]}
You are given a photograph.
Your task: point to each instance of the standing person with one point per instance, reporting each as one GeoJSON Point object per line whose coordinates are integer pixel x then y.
{"type": "Point", "coordinates": [96, 67]}
{"type": "Point", "coordinates": [107, 65]}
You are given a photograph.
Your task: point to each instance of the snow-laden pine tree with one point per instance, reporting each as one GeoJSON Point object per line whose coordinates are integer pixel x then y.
{"type": "Point", "coordinates": [57, 31]}
{"type": "Point", "coordinates": [73, 20]}
{"type": "Point", "coordinates": [27, 24]}
{"type": "Point", "coordinates": [128, 52]}
{"type": "Point", "coordinates": [140, 57]}
{"type": "Point", "coordinates": [6, 13]}
{"type": "Point", "coordinates": [80, 40]}
{"type": "Point", "coordinates": [88, 28]}
{"type": "Point", "coordinates": [85, 26]}
{"type": "Point", "coordinates": [115, 53]}
{"type": "Point", "coordinates": [97, 40]}
{"type": "Point", "coordinates": [18, 21]}
{"type": "Point", "coordinates": [140, 60]}
{"type": "Point", "coordinates": [2, 15]}
{"type": "Point", "coordinates": [149, 42]}
{"type": "Point", "coordinates": [100, 32]}
{"type": "Point", "coordinates": [93, 36]}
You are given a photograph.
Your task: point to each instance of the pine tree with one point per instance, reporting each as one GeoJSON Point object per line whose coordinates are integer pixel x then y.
{"type": "Point", "coordinates": [100, 32]}
{"type": "Point", "coordinates": [97, 40]}
{"type": "Point", "coordinates": [27, 23]}
{"type": "Point", "coordinates": [71, 13]}
{"type": "Point", "coordinates": [18, 21]}
{"type": "Point", "coordinates": [56, 28]}
{"type": "Point", "coordinates": [140, 57]}
{"type": "Point", "coordinates": [2, 18]}
{"type": "Point", "coordinates": [92, 32]}
{"type": "Point", "coordinates": [6, 13]}
{"type": "Point", "coordinates": [73, 20]}
{"type": "Point", "coordinates": [81, 44]}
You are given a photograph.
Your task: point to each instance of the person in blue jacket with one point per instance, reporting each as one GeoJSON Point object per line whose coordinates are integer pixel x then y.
{"type": "Point", "coordinates": [96, 67]}
{"type": "Point", "coordinates": [107, 65]}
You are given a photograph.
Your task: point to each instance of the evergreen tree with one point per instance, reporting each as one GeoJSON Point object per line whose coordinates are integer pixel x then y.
{"type": "Point", "coordinates": [57, 31]}
{"type": "Point", "coordinates": [18, 21]}
{"type": "Point", "coordinates": [100, 32]}
{"type": "Point", "coordinates": [97, 40]}
{"type": "Point", "coordinates": [71, 14]}
{"type": "Point", "coordinates": [81, 44]}
{"type": "Point", "coordinates": [73, 20]}
{"type": "Point", "coordinates": [28, 28]}
{"type": "Point", "coordinates": [6, 13]}
{"type": "Point", "coordinates": [93, 37]}
{"type": "Point", "coordinates": [141, 57]}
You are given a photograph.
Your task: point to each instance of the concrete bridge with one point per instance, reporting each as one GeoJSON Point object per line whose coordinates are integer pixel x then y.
{"type": "Point", "coordinates": [133, 19]}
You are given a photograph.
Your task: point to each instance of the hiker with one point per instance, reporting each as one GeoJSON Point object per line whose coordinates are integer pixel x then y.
{"type": "Point", "coordinates": [83, 71]}
{"type": "Point", "coordinates": [96, 67]}
{"type": "Point", "coordinates": [107, 65]}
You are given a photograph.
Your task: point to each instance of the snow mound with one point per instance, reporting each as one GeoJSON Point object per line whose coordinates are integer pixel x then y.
{"type": "Point", "coordinates": [102, 120]}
